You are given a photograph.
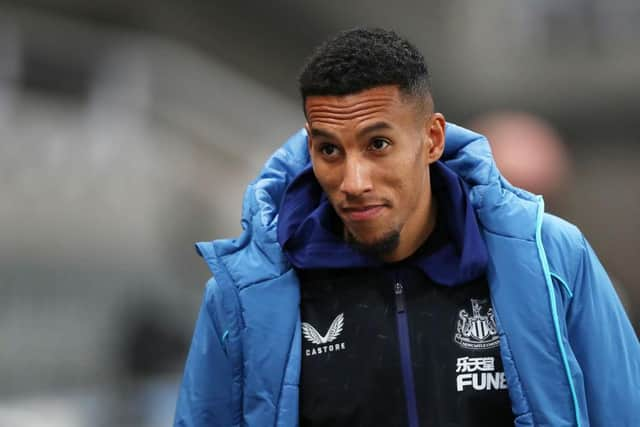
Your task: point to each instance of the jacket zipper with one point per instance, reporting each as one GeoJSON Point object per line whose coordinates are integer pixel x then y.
{"type": "Point", "coordinates": [405, 354]}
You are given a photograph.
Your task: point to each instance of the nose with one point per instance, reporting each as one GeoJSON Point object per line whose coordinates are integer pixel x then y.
{"type": "Point", "coordinates": [356, 180]}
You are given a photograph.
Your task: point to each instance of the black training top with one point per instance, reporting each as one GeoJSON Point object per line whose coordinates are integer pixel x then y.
{"type": "Point", "coordinates": [447, 345]}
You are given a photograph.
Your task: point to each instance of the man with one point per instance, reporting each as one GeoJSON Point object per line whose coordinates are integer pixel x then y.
{"type": "Point", "coordinates": [388, 276]}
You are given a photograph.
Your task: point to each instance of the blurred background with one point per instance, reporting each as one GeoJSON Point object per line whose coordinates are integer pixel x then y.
{"type": "Point", "coordinates": [128, 131]}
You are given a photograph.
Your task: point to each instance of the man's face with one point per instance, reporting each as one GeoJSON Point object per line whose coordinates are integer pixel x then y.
{"type": "Point", "coordinates": [370, 153]}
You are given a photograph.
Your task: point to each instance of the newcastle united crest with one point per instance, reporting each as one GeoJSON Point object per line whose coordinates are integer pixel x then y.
{"type": "Point", "coordinates": [478, 331]}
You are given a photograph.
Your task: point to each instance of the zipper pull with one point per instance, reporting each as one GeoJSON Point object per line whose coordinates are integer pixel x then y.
{"type": "Point", "coordinates": [398, 289]}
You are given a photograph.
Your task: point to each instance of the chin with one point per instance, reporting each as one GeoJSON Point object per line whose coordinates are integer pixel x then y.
{"type": "Point", "coordinates": [378, 246]}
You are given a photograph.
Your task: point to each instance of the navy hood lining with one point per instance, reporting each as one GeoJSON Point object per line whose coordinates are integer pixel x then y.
{"type": "Point", "coordinates": [309, 232]}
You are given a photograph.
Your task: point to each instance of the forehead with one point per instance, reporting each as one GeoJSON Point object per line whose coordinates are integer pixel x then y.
{"type": "Point", "coordinates": [383, 101]}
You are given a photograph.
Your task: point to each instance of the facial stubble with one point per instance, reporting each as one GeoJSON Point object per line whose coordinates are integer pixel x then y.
{"type": "Point", "coordinates": [379, 248]}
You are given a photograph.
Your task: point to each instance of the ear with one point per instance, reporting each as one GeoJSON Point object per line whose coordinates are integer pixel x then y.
{"type": "Point", "coordinates": [434, 129]}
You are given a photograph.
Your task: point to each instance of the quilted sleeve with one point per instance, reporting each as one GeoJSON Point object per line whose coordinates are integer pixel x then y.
{"type": "Point", "coordinates": [205, 394]}
{"type": "Point", "coordinates": [605, 345]}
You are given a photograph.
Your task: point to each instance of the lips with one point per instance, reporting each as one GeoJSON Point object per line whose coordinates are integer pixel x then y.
{"type": "Point", "coordinates": [363, 213]}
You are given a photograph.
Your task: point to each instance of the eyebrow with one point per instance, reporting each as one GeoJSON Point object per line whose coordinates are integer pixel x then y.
{"type": "Point", "coordinates": [371, 128]}
{"type": "Point", "coordinates": [319, 133]}
{"type": "Point", "coordinates": [374, 127]}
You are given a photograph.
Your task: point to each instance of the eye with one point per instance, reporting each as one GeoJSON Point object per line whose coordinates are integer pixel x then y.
{"type": "Point", "coordinates": [328, 150]}
{"type": "Point", "coordinates": [379, 144]}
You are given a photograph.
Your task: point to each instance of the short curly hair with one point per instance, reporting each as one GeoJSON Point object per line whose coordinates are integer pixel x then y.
{"type": "Point", "coordinates": [361, 59]}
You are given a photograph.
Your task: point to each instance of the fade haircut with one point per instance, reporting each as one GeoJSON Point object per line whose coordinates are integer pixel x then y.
{"type": "Point", "coordinates": [361, 59]}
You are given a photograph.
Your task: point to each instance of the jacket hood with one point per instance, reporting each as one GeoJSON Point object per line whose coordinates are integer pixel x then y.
{"type": "Point", "coordinates": [467, 154]}
{"type": "Point", "coordinates": [310, 232]}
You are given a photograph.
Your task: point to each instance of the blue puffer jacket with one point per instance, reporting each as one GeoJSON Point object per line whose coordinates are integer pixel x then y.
{"type": "Point", "coordinates": [570, 355]}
